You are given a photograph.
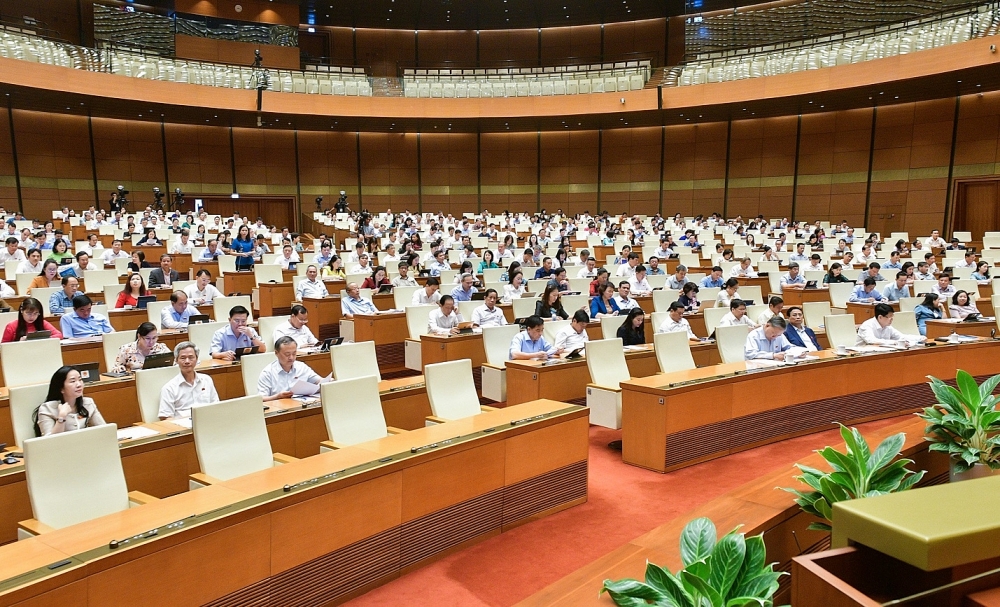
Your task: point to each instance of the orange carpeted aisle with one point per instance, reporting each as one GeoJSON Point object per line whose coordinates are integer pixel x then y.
{"type": "Point", "coordinates": [624, 502]}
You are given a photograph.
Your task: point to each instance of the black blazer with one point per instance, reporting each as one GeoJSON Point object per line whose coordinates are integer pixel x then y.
{"type": "Point", "coordinates": [156, 277]}
{"type": "Point", "coordinates": [793, 337]}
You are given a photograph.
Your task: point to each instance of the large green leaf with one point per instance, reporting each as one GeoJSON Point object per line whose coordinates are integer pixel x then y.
{"type": "Point", "coordinates": [703, 588]}
{"type": "Point", "coordinates": [632, 588]}
{"type": "Point", "coordinates": [661, 579]}
{"type": "Point", "coordinates": [742, 601]}
{"type": "Point", "coordinates": [968, 388]}
{"type": "Point", "coordinates": [726, 562]}
{"type": "Point", "coordinates": [987, 387]}
{"type": "Point", "coordinates": [697, 540]}
{"type": "Point", "coordinates": [886, 451]}
{"type": "Point", "coordinates": [753, 562]}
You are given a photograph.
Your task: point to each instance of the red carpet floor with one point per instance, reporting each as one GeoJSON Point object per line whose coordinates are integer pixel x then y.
{"type": "Point", "coordinates": [624, 502]}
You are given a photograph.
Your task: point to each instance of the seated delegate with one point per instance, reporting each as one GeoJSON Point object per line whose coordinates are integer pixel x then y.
{"type": "Point", "coordinates": [354, 303]}
{"type": "Point", "coordinates": [63, 298]}
{"type": "Point", "coordinates": [295, 328]}
{"type": "Point", "coordinates": [574, 335]}
{"type": "Point", "coordinates": [878, 331]}
{"type": "Point", "coordinates": [29, 320]}
{"type": "Point", "coordinates": [488, 314]}
{"type": "Point", "coordinates": [188, 389]}
{"type": "Point", "coordinates": [132, 355]}
{"type": "Point", "coordinates": [65, 407]}
{"type": "Point", "coordinates": [530, 344]}
{"type": "Point", "coordinates": [178, 313]}
{"type": "Point", "coordinates": [767, 342]}
{"type": "Point", "coordinates": [278, 378]}
{"type": "Point", "coordinates": [797, 333]}
{"type": "Point", "coordinates": [675, 321]}
{"type": "Point", "coordinates": [309, 286]}
{"type": "Point", "coordinates": [202, 291]}
{"type": "Point", "coordinates": [82, 322]}
{"type": "Point", "coordinates": [236, 334]}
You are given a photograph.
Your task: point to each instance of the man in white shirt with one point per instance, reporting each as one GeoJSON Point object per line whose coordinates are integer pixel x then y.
{"type": "Point", "coordinates": [355, 255]}
{"type": "Point", "coordinates": [11, 252]}
{"type": "Point", "coordinates": [287, 257]}
{"type": "Point", "coordinates": [676, 322]}
{"type": "Point", "coordinates": [404, 279]}
{"type": "Point", "coordinates": [878, 331]}
{"type": "Point", "coordinates": [31, 265]}
{"type": "Point", "coordinates": [91, 244]}
{"type": "Point", "coordinates": [638, 284]}
{"type": "Point", "coordinates": [743, 270]}
{"type": "Point", "coordinates": [188, 389]}
{"type": "Point", "coordinates": [278, 378]}
{"type": "Point", "coordinates": [943, 289]}
{"type": "Point", "coordinates": [774, 306]}
{"type": "Point", "coordinates": [574, 335]}
{"type": "Point", "coordinates": [625, 303]}
{"type": "Point", "coordinates": [429, 294]}
{"type": "Point", "coordinates": [488, 314]}
{"type": "Point", "coordinates": [115, 252]}
{"type": "Point", "coordinates": [867, 255]}
{"type": "Point", "coordinates": [627, 270]}
{"type": "Point", "coordinates": [202, 291]}
{"type": "Point", "coordinates": [968, 262]}
{"type": "Point", "coordinates": [309, 286]}
{"type": "Point", "coordinates": [767, 342]}
{"type": "Point", "coordinates": [589, 270]}
{"type": "Point", "coordinates": [503, 254]}
{"type": "Point", "coordinates": [183, 245]}
{"type": "Point", "coordinates": [737, 315]}
{"type": "Point", "coordinates": [800, 253]}
{"type": "Point", "coordinates": [935, 240]}
{"type": "Point", "coordinates": [296, 328]}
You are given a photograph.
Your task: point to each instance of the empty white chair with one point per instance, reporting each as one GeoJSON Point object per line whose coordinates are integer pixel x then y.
{"type": "Point", "coordinates": [30, 362]}
{"type": "Point", "coordinates": [353, 413]}
{"type": "Point", "coordinates": [840, 330]}
{"type": "Point", "coordinates": [201, 335]}
{"type": "Point", "coordinates": [251, 366]}
{"type": "Point", "coordinates": [265, 328]}
{"type": "Point", "coordinates": [58, 499]}
{"type": "Point", "coordinates": [712, 318]}
{"type": "Point", "coordinates": [148, 384]}
{"type": "Point", "coordinates": [350, 361]}
{"type": "Point", "coordinates": [840, 292]}
{"type": "Point", "coordinates": [231, 440]}
{"type": "Point", "coordinates": [607, 366]}
{"type": "Point", "coordinates": [268, 272]}
{"type": "Point", "coordinates": [731, 341]}
{"type": "Point", "coordinates": [673, 351]}
{"type": "Point", "coordinates": [906, 322]}
{"type": "Point", "coordinates": [24, 400]}
{"type": "Point", "coordinates": [222, 305]}
{"type": "Point", "coordinates": [610, 325]}
{"type": "Point", "coordinates": [814, 311]}
{"type": "Point", "coordinates": [451, 391]}
{"type": "Point", "coordinates": [416, 324]}
{"type": "Point", "coordinates": [496, 342]}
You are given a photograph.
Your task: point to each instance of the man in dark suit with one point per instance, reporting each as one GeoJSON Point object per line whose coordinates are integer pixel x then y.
{"type": "Point", "coordinates": [797, 333]}
{"type": "Point", "coordinates": [163, 276]}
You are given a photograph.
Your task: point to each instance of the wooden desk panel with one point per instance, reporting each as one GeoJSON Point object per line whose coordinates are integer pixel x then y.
{"type": "Point", "coordinates": [276, 299]}
{"type": "Point", "coordinates": [529, 380]}
{"type": "Point", "coordinates": [238, 282]}
{"type": "Point", "coordinates": [324, 315]}
{"type": "Point", "coordinates": [865, 311]}
{"type": "Point", "coordinates": [267, 525]}
{"type": "Point", "coordinates": [944, 328]}
{"type": "Point", "coordinates": [797, 297]}
{"type": "Point", "coordinates": [388, 330]}
{"type": "Point", "coordinates": [674, 420]}
{"type": "Point", "coordinates": [442, 348]}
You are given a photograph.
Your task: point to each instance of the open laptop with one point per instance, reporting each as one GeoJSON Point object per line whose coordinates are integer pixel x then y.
{"type": "Point", "coordinates": [144, 300]}
{"type": "Point", "coordinates": [575, 354]}
{"type": "Point", "coordinates": [479, 296]}
{"type": "Point", "coordinates": [972, 318]}
{"type": "Point", "coordinates": [156, 361]}
{"type": "Point", "coordinates": [39, 335]}
{"type": "Point", "coordinates": [385, 289]}
{"type": "Point", "coordinates": [811, 284]}
{"type": "Point", "coordinates": [464, 328]}
{"type": "Point", "coordinates": [197, 319]}
{"type": "Point", "coordinates": [89, 372]}
{"type": "Point", "coordinates": [292, 266]}
{"type": "Point", "coordinates": [324, 346]}
{"type": "Point", "coordinates": [241, 352]}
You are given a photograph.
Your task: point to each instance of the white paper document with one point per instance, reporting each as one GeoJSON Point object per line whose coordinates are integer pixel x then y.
{"type": "Point", "coordinates": [184, 422]}
{"type": "Point", "coordinates": [304, 388]}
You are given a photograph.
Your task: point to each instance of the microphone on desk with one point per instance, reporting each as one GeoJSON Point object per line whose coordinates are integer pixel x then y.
{"type": "Point", "coordinates": [993, 333]}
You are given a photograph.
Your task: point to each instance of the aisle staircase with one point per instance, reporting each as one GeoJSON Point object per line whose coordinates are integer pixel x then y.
{"type": "Point", "coordinates": [387, 87]}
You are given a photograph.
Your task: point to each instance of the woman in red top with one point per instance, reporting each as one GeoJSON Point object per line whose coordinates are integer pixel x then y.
{"type": "Point", "coordinates": [29, 320]}
{"type": "Point", "coordinates": [376, 280]}
{"type": "Point", "coordinates": [134, 288]}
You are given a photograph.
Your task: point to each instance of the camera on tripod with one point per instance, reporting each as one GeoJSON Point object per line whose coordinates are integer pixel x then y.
{"type": "Point", "coordinates": [178, 199]}
{"type": "Point", "coordinates": [157, 199]}
{"type": "Point", "coordinates": [341, 206]}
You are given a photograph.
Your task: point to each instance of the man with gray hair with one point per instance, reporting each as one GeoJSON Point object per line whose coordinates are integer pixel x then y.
{"type": "Point", "coordinates": [679, 279]}
{"type": "Point", "coordinates": [278, 378]}
{"type": "Point", "coordinates": [464, 291]}
{"type": "Point", "coordinates": [767, 341]}
{"type": "Point", "coordinates": [188, 389]}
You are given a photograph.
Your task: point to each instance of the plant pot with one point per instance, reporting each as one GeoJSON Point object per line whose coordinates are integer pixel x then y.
{"type": "Point", "coordinates": [977, 471]}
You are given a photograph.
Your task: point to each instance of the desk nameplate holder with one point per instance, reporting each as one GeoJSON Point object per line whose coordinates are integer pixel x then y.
{"type": "Point", "coordinates": [188, 522]}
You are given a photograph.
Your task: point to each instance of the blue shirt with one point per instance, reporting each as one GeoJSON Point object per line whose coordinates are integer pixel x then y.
{"type": "Point", "coordinates": [892, 266]}
{"type": "Point", "coordinates": [597, 306]}
{"type": "Point", "coordinates": [759, 346]}
{"type": "Point", "coordinates": [74, 326]}
{"type": "Point", "coordinates": [859, 294]}
{"type": "Point", "coordinates": [893, 293]}
{"type": "Point", "coordinates": [207, 255]}
{"type": "Point", "coordinates": [708, 281]}
{"type": "Point", "coordinates": [923, 314]}
{"type": "Point", "coordinates": [242, 246]}
{"type": "Point", "coordinates": [462, 295]}
{"type": "Point", "coordinates": [58, 302]}
{"type": "Point", "coordinates": [224, 340]}
{"type": "Point", "coordinates": [522, 342]}
{"type": "Point", "coordinates": [172, 319]}
{"type": "Point", "coordinates": [357, 306]}
{"type": "Point", "coordinates": [543, 273]}
{"type": "Point", "coordinates": [436, 267]}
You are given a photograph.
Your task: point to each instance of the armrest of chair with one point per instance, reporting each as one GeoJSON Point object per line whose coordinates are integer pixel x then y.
{"type": "Point", "coordinates": [431, 420]}
{"type": "Point", "coordinates": [605, 388]}
{"type": "Point", "coordinates": [394, 430]}
{"type": "Point", "coordinates": [485, 408]}
{"type": "Point", "coordinates": [281, 458]}
{"type": "Point", "coordinates": [33, 527]}
{"type": "Point", "coordinates": [202, 480]}
{"type": "Point", "coordinates": [139, 498]}
{"type": "Point", "coordinates": [329, 444]}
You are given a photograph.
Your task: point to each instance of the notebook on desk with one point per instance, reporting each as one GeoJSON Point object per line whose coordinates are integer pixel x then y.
{"type": "Point", "coordinates": [241, 352]}
{"type": "Point", "coordinates": [385, 289]}
{"type": "Point", "coordinates": [143, 301]}
{"type": "Point", "coordinates": [89, 372]}
{"type": "Point", "coordinates": [811, 284]}
{"type": "Point", "coordinates": [198, 319]}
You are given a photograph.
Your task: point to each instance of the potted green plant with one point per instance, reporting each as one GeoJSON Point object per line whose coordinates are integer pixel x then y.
{"type": "Point", "coordinates": [857, 473]}
{"type": "Point", "coordinates": [966, 425]}
{"type": "Point", "coordinates": [730, 572]}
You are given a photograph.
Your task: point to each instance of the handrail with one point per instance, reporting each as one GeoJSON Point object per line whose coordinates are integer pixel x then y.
{"type": "Point", "coordinates": [514, 63]}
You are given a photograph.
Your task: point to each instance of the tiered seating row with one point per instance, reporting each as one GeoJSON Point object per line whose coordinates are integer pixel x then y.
{"type": "Point", "coordinates": [527, 81]}
{"type": "Point", "coordinates": [813, 55]}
